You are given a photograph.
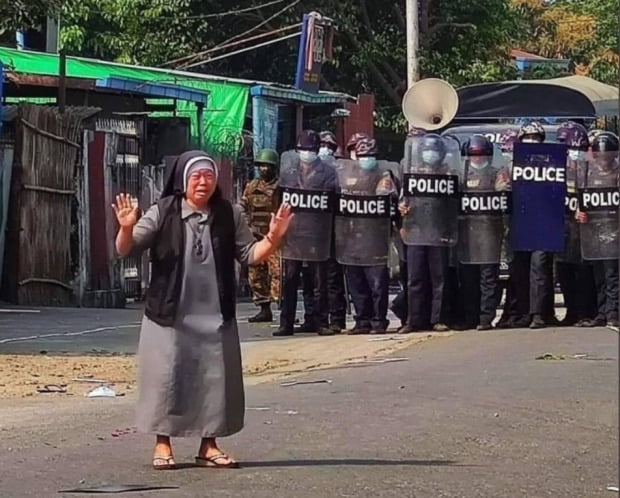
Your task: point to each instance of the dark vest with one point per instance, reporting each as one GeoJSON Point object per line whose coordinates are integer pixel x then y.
{"type": "Point", "coordinates": [167, 255]}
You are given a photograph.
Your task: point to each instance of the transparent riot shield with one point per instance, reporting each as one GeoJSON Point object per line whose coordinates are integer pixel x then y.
{"type": "Point", "coordinates": [308, 190]}
{"type": "Point", "coordinates": [484, 207]}
{"type": "Point", "coordinates": [575, 176]}
{"type": "Point", "coordinates": [430, 192]}
{"type": "Point", "coordinates": [362, 221]}
{"type": "Point", "coordinates": [599, 200]}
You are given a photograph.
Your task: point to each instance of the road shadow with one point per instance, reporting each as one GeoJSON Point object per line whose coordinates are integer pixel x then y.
{"type": "Point", "coordinates": [344, 462]}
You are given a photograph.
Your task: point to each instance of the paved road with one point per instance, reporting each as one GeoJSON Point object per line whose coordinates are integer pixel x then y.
{"type": "Point", "coordinates": [474, 415]}
{"type": "Point", "coordinates": [86, 330]}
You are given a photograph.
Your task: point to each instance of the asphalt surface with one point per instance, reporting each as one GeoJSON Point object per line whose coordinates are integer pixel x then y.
{"type": "Point", "coordinates": [85, 330]}
{"type": "Point", "coordinates": [472, 415]}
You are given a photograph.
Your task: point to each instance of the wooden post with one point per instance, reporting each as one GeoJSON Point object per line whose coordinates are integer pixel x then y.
{"type": "Point", "coordinates": [62, 82]}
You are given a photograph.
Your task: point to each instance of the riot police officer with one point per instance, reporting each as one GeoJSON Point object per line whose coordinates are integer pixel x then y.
{"type": "Point", "coordinates": [258, 203]}
{"type": "Point", "coordinates": [336, 291]}
{"type": "Point", "coordinates": [306, 184]}
{"type": "Point", "coordinates": [575, 277]}
{"type": "Point", "coordinates": [430, 228]}
{"type": "Point", "coordinates": [598, 215]}
{"type": "Point", "coordinates": [362, 235]}
{"type": "Point", "coordinates": [484, 204]}
{"type": "Point", "coordinates": [532, 272]}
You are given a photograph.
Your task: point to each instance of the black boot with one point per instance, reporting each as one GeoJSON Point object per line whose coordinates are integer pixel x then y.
{"type": "Point", "coordinates": [263, 316]}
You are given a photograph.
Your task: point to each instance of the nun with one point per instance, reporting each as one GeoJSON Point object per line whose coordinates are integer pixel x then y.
{"type": "Point", "coordinates": [189, 358]}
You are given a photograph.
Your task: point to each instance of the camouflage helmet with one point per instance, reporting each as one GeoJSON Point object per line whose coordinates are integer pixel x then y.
{"type": "Point", "coordinates": [574, 135]}
{"type": "Point", "coordinates": [267, 156]}
{"type": "Point", "coordinates": [592, 134]}
{"type": "Point", "coordinates": [356, 137]}
{"type": "Point", "coordinates": [532, 129]}
{"type": "Point", "coordinates": [329, 139]}
{"type": "Point", "coordinates": [507, 140]}
{"type": "Point", "coordinates": [366, 147]}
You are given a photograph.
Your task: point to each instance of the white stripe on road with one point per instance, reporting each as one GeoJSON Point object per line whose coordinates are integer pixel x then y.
{"type": "Point", "coordinates": [68, 334]}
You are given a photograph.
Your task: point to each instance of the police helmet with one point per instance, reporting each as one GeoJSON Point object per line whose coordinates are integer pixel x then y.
{"type": "Point", "coordinates": [433, 142]}
{"type": "Point", "coordinates": [507, 140]}
{"type": "Point", "coordinates": [532, 129]}
{"type": "Point", "coordinates": [477, 145]}
{"type": "Point", "coordinates": [356, 137]}
{"type": "Point", "coordinates": [308, 140]}
{"type": "Point", "coordinates": [328, 139]}
{"type": "Point", "coordinates": [267, 156]}
{"type": "Point", "coordinates": [366, 147]}
{"type": "Point", "coordinates": [605, 142]}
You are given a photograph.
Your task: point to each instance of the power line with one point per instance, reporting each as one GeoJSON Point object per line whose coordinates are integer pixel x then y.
{"type": "Point", "coordinates": [261, 24]}
{"type": "Point", "coordinates": [210, 16]}
{"type": "Point", "coordinates": [247, 49]}
{"type": "Point", "coordinates": [192, 57]}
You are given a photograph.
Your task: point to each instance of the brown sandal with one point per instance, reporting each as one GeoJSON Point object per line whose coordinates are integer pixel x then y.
{"type": "Point", "coordinates": [168, 462]}
{"type": "Point", "coordinates": [213, 462]}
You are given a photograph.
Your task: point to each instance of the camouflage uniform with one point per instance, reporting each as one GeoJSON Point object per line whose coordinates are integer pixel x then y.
{"type": "Point", "coordinates": [258, 202]}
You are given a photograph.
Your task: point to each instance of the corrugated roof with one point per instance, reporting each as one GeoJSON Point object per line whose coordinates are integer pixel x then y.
{"type": "Point", "coordinates": [9, 111]}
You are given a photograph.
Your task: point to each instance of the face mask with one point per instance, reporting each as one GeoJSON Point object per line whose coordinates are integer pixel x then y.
{"type": "Point", "coordinates": [576, 155]}
{"type": "Point", "coordinates": [325, 152]}
{"type": "Point", "coordinates": [367, 163]}
{"type": "Point", "coordinates": [481, 165]}
{"type": "Point", "coordinates": [307, 156]}
{"type": "Point", "coordinates": [530, 141]}
{"type": "Point", "coordinates": [431, 156]}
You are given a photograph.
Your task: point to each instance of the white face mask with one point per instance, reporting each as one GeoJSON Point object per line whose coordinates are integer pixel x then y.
{"type": "Point", "coordinates": [576, 155]}
{"type": "Point", "coordinates": [481, 165]}
{"type": "Point", "coordinates": [530, 141]}
{"type": "Point", "coordinates": [431, 156]}
{"type": "Point", "coordinates": [367, 163]}
{"type": "Point", "coordinates": [325, 152]}
{"type": "Point", "coordinates": [307, 156]}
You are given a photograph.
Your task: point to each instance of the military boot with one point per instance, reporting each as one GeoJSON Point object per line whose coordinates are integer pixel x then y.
{"type": "Point", "coordinates": [263, 316]}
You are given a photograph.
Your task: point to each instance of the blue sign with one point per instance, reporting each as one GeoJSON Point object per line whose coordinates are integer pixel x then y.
{"type": "Point", "coordinates": [538, 197]}
{"type": "Point", "coordinates": [265, 123]}
{"type": "Point", "coordinates": [315, 38]}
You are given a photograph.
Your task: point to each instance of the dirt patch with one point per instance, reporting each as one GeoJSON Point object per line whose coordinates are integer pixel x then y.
{"type": "Point", "coordinates": [22, 375]}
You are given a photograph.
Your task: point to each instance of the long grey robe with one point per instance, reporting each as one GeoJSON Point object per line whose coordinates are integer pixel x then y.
{"type": "Point", "coordinates": [190, 376]}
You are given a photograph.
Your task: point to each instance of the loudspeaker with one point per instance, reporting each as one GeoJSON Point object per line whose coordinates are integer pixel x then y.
{"type": "Point", "coordinates": [430, 104]}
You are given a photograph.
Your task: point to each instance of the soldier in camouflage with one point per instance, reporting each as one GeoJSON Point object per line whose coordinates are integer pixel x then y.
{"type": "Point", "coordinates": [259, 201]}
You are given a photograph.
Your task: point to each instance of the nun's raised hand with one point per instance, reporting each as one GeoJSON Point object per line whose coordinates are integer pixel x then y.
{"type": "Point", "coordinates": [280, 221]}
{"type": "Point", "coordinates": [126, 212]}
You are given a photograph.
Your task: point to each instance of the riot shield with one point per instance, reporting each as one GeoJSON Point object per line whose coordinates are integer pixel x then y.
{"type": "Point", "coordinates": [430, 192]}
{"type": "Point", "coordinates": [599, 199]}
{"type": "Point", "coordinates": [575, 174]}
{"type": "Point", "coordinates": [306, 189]}
{"type": "Point", "coordinates": [362, 221]}
{"type": "Point", "coordinates": [538, 197]}
{"type": "Point", "coordinates": [484, 207]}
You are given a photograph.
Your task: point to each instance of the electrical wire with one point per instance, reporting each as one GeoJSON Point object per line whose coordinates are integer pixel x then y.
{"type": "Point", "coordinates": [188, 59]}
{"type": "Point", "coordinates": [247, 49]}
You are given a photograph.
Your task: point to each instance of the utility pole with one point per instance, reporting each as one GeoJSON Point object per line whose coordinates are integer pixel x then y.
{"type": "Point", "coordinates": [413, 41]}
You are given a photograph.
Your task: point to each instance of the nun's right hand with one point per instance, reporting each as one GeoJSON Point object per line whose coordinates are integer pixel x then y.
{"type": "Point", "coordinates": [126, 212]}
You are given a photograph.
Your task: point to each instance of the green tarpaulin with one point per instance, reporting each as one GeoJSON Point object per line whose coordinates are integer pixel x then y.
{"type": "Point", "coordinates": [225, 113]}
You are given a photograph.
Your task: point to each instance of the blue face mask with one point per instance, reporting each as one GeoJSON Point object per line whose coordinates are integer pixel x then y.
{"type": "Point", "coordinates": [576, 155]}
{"type": "Point", "coordinates": [431, 156]}
{"type": "Point", "coordinates": [325, 152]}
{"type": "Point", "coordinates": [367, 163]}
{"type": "Point", "coordinates": [307, 156]}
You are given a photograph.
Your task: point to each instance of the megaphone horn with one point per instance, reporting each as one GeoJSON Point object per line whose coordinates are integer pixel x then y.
{"type": "Point", "coordinates": [430, 104]}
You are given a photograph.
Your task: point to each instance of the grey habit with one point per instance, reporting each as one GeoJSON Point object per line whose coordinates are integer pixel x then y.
{"type": "Point", "coordinates": [189, 376]}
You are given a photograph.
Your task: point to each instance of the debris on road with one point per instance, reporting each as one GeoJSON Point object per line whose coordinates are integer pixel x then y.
{"type": "Point", "coordinates": [550, 356]}
{"type": "Point", "coordinates": [102, 392]}
{"type": "Point", "coordinates": [90, 380]}
{"type": "Point", "coordinates": [376, 361]}
{"type": "Point", "coordinates": [258, 408]}
{"type": "Point", "coordinates": [118, 488]}
{"type": "Point", "coordinates": [388, 338]}
{"type": "Point", "coordinates": [613, 488]}
{"type": "Point", "coordinates": [124, 432]}
{"type": "Point", "coordinates": [305, 382]}
{"type": "Point", "coordinates": [52, 388]}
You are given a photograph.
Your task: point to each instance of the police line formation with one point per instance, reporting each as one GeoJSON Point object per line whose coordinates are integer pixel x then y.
{"type": "Point", "coordinates": [454, 211]}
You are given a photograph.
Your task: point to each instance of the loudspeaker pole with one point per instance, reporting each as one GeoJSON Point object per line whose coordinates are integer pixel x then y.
{"type": "Point", "coordinates": [413, 42]}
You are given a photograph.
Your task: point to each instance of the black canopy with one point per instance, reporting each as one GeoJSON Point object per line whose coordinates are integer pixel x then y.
{"type": "Point", "coordinates": [520, 99]}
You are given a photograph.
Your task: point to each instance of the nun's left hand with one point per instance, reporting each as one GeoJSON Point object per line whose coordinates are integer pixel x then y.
{"type": "Point", "coordinates": [280, 221]}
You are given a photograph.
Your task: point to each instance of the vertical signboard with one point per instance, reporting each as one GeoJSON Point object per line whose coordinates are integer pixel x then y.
{"type": "Point", "coordinates": [315, 47]}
